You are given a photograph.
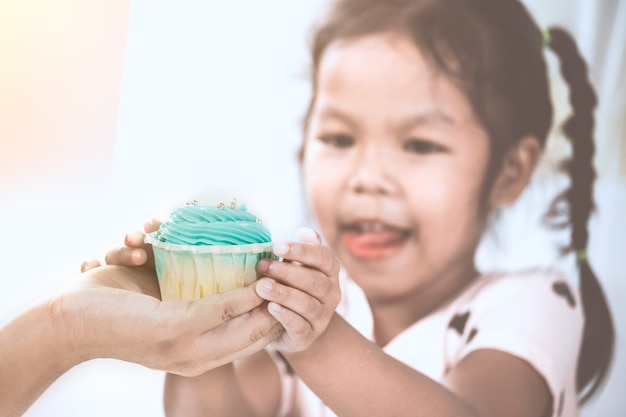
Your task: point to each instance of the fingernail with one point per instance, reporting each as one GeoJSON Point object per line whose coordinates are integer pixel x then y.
{"type": "Point", "coordinates": [136, 256]}
{"type": "Point", "coordinates": [267, 285]}
{"type": "Point", "coordinates": [275, 307]}
{"type": "Point", "coordinates": [281, 249]}
{"type": "Point", "coordinates": [263, 265]}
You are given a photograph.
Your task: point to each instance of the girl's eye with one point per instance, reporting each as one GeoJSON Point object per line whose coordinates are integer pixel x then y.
{"type": "Point", "coordinates": [338, 141]}
{"type": "Point", "coordinates": [421, 146]}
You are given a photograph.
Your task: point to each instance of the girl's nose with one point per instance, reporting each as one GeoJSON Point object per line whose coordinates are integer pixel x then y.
{"type": "Point", "coordinates": [371, 172]}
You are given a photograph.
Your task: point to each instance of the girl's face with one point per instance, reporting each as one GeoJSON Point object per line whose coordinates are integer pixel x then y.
{"type": "Point", "coordinates": [394, 161]}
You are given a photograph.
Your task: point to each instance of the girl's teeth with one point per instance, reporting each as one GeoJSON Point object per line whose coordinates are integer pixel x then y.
{"type": "Point", "coordinates": [372, 227]}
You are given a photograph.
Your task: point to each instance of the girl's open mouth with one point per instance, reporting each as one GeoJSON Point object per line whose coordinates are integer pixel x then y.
{"type": "Point", "coordinates": [373, 240]}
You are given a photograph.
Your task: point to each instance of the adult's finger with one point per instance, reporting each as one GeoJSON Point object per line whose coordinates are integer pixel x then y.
{"type": "Point", "coordinates": [216, 309]}
{"type": "Point", "coordinates": [135, 239]}
{"type": "Point", "coordinates": [87, 265]}
{"type": "Point", "coordinates": [232, 341]}
{"type": "Point", "coordinates": [251, 328]}
{"type": "Point", "coordinates": [224, 327]}
{"type": "Point", "coordinates": [151, 225]}
{"type": "Point", "coordinates": [126, 256]}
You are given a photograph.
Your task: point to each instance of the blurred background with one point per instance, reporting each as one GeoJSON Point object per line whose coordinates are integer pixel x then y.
{"type": "Point", "coordinates": [115, 111]}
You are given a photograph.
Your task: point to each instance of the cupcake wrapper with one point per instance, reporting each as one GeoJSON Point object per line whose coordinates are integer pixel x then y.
{"type": "Point", "coordinates": [192, 272]}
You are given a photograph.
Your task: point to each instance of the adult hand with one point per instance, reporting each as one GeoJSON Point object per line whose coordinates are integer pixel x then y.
{"type": "Point", "coordinates": [180, 337]}
{"type": "Point", "coordinates": [115, 311]}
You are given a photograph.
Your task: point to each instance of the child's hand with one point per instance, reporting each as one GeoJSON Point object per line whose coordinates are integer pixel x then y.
{"type": "Point", "coordinates": [134, 252]}
{"type": "Point", "coordinates": [303, 294]}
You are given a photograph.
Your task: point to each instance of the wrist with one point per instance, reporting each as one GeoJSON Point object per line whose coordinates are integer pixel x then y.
{"type": "Point", "coordinates": [320, 346]}
{"type": "Point", "coordinates": [66, 329]}
{"type": "Point", "coordinates": [34, 352]}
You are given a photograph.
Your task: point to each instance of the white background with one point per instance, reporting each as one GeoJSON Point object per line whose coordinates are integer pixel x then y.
{"type": "Point", "coordinates": [112, 112]}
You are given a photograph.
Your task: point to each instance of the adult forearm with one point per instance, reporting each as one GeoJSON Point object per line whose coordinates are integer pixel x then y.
{"type": "Point", "coordinates": [34, 352]}
{"type": "Point", "coordinates": [354, 377]}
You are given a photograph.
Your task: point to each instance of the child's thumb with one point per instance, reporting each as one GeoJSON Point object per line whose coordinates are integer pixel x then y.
{"type": "Point", "coordinates": [306, 235]}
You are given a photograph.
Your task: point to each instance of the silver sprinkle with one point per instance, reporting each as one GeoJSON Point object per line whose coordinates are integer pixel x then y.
{"type": "Point", "coordinates": [192, 203]}
{"type": "Point", "coordinates": [233, 203]}
{"type": "Point", "coordinates": [221, 206]}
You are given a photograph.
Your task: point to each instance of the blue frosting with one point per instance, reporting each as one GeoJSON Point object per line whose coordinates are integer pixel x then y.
{"type": "Point", "coordinates": [200, 225]}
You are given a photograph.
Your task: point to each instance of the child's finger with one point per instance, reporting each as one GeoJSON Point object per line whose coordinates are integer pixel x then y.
{"type": "Point", "coordinates": [311, 282]}
{"type": "Point", "coordinates": [306, 235]}
{"type": "Point", "coordinates": [298, 328]}
{"type": "Point", "coordinates": [295, 300]}
{"type": "Point", "coordinates": [312, 255]}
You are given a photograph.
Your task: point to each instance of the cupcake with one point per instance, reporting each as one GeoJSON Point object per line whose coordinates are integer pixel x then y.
{"type": "Point", "coordinates": [202, 250]}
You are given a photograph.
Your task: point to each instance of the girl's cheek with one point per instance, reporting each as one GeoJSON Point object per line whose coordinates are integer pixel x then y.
{"type": "Point", "coordinates": [316, 182]}
{"type": "Point", "coordinates": [319, 167]}
{"type": "Point", "coordinates": [444, 190]}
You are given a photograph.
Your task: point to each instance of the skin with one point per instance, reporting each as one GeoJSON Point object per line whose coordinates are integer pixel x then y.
{"type": "Point", "coordinates": [394, 164]}
{"type": "Point", "coordinates": [412, 163]}
{"type": "Point", "coordinates": [115, 312]}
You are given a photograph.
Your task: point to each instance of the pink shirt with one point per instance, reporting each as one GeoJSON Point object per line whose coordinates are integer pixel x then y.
{"type": "Point", "coordinates": [533, 315]}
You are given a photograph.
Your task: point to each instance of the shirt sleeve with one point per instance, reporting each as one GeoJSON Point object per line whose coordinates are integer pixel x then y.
{"type": "Point", "coordinates": [536, 316]}
{"type": "Point", "coordinates": [289, 381]}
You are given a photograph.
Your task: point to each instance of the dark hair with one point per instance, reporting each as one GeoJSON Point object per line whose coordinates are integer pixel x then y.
{"type": "Point", "coordinates": [492, 50]}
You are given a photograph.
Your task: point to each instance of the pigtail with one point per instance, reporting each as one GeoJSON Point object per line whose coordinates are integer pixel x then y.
{"type": "Point", "coordinates": [576, 204]}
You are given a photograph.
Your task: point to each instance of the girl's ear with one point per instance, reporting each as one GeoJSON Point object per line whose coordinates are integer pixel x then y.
{"type": "Point", "coordinates": [516, 172]}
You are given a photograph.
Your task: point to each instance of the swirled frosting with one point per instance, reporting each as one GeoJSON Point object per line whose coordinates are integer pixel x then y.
{"type": "Point", "coordinates": [199, 225]}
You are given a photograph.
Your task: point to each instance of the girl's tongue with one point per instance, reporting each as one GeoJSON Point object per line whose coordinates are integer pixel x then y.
{"type": "Point", "coordinates": [374, 243]}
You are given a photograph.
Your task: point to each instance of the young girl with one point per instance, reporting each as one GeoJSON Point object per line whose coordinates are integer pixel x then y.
{"type": "Point", "coordinates": [426, 116]}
